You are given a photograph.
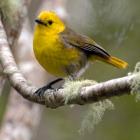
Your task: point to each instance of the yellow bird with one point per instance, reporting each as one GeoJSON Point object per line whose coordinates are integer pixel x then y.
{"type": "Point", "coordinates": [63, 52]}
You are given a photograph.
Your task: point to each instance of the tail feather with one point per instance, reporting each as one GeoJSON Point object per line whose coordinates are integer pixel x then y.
{"type": "Point", "coordinates": [117, 62]}
{"type": "Point", "coordinates": [112, 61]}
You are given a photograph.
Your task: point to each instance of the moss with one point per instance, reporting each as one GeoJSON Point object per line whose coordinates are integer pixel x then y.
{"type": "Point", "coordinates": [135, 83]}
{"type": "Point", "coordinates": [96, 110]}
{"type": "Point", "coordinates": [72, 88]}
{"type": "Point", "coordinates": [94, 115]}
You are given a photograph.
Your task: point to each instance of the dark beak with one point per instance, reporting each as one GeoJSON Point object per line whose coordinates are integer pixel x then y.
{"type": "Point", "coordinates": [40, 22]}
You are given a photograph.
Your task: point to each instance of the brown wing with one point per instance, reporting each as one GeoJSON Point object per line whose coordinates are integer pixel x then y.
{"type": "Point", "coordinates": [86, 44]}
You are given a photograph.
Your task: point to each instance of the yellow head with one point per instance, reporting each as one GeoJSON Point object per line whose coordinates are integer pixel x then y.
{"type": "Point", "coordinates": [50, 22]}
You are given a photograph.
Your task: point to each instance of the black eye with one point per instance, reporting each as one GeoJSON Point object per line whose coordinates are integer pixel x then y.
{"type": "Point", "coordinates": [50, 22]}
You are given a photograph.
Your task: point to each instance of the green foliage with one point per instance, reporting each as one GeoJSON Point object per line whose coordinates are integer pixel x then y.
{"type": "Point", "coordinates": [94, 115]}
{"type": "Point", "coordinates": [135, 83]}
{"type": "Point", "coordinates": [72, 88]}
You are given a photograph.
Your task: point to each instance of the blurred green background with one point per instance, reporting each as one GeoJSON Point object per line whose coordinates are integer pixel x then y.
{"type": "Point", "coordinates": [115, 25]}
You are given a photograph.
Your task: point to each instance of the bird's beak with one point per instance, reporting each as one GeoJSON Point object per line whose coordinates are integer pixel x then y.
{"type": "Point", "coordinates": [38, 21]}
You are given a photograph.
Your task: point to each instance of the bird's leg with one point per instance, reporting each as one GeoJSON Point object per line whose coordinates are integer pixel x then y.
{"type": "Point", "coordinates": [41, 90]}
{"type": "Point", "coordinates": [72, 77]}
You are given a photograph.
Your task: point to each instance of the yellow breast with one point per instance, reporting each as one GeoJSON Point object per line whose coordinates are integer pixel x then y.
{"type": "Point", "coordinates": [53, 55]}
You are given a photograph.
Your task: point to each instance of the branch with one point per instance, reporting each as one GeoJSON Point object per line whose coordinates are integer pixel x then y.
{"type": "Point", "coordinates": [52, 98]}
{"type": "Point", "coordinates": [23, 123]}
{"type": "Point", "coordinates": [12, 18]}
{"type": "Point", "coordinates": [22, 117]}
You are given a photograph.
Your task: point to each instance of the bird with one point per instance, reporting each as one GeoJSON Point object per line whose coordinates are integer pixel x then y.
{"type": "Point", "coordinates": [63, 52]}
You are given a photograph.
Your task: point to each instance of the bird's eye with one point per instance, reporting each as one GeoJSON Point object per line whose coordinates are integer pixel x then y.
{"type": "Point", "coordinates": [50, 22]}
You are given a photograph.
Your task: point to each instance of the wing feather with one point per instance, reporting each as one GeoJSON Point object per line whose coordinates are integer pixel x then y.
{"type": "Point", "coordinates": [87, 45]}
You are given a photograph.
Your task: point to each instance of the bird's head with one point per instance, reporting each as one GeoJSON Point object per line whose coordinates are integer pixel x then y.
{"type": "Point", "coordinates": [50, 22]}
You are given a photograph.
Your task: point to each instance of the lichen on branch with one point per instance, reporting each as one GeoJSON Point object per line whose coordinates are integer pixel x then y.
{"type": "Point", "coordinates": [135, 82]}
{"type": "Point", "coordinates": [94, 115]}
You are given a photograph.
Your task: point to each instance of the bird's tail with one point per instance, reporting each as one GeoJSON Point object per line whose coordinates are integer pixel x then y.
{"type": "Point", "coordinates": [117, 62]}
{"type": "Point", "coordinates": [113, 61]}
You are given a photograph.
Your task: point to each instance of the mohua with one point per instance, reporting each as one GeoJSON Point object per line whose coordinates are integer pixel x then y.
{"type": "Point", "coordinates": [63, 52]}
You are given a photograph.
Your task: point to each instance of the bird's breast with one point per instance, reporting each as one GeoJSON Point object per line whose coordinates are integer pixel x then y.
{"type": "Point", "coordinates": [56, 58]}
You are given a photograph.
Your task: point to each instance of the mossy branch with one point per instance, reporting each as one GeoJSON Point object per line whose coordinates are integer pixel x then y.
{"type": "Point", "coordinates": [86, 92]}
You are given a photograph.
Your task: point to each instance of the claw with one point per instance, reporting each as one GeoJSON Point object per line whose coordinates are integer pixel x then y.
{"type": "Point", "coordinates": [40, 92]}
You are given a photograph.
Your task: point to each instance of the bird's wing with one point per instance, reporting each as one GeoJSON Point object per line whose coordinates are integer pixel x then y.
{"type": "Point", "coordinates": [86, 44]}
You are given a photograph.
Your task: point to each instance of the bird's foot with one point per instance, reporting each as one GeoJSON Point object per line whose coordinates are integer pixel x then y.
{"type": "Point", "coordinates": [40, 92]}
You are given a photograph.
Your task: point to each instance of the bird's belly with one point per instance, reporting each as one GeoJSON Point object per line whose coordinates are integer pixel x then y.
{"type": "Point", "coordinates": [61, 61]}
